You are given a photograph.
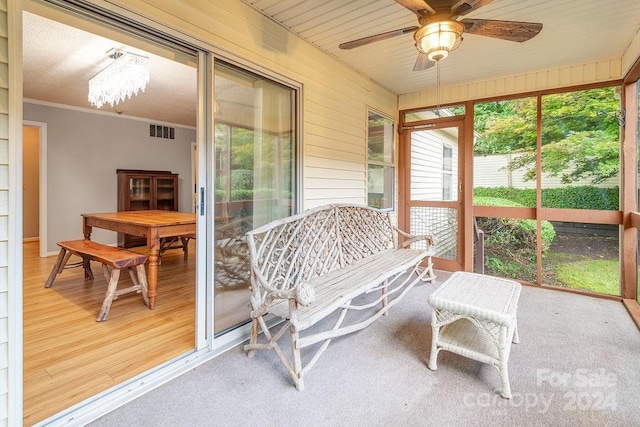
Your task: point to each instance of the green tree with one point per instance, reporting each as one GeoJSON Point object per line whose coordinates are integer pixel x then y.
{"type": "Point", "coordinates": [579, 134]}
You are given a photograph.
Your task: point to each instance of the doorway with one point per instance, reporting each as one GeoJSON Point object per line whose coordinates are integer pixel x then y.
{"type": "Point", "coordinates": [68, 357]}
{"type": "Point", "coordinates": [34, 186]}
{"type": "Point", "coordinates": [432, 187]}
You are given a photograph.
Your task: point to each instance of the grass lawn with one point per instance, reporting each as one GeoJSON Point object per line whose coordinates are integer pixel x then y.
{"type": "Point", "coordinates": [573, 261]}
{"type": "Point", "coordinates": [599, 275]}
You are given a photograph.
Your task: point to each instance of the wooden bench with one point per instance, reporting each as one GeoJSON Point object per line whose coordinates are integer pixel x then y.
{"type": "Point", "coordinates": [113, 260]}
{"type": "Point", "coordinates": [308, 266]}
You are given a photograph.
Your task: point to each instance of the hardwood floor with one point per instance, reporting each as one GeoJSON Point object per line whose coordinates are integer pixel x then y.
{"type": "Point", "coordinates": [69, 357]}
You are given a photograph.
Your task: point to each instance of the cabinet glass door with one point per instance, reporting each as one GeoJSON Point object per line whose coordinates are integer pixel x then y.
{"type": "Point", "coordinates": [140, 193]}
{"type": "Point", "coordinates": [165, 194]}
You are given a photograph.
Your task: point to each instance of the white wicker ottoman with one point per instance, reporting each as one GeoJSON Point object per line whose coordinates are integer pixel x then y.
{"type": "Point", "coordinates": [475, 316]}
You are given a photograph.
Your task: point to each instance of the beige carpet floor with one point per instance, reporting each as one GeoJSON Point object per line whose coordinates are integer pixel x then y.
{"type": "Point", "coordinates": [577, 363]}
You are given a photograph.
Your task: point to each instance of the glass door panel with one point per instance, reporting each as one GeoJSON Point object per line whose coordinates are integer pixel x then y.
{"type": "Point", "coordinates": [165, 194]}
{"type": "Point", "coordinates": [140, 193]}
{"type": "Point", "coordinates": [254, 155]}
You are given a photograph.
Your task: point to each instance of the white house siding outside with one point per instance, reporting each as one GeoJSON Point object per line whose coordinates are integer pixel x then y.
{"type": "Point", "coordinates": [427, 182]}
{"type": "Point", "coordinates": [492, 171]}
{"type": "Point", "coordinates": [5, 241]}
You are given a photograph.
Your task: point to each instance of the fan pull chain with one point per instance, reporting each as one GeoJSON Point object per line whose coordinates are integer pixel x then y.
{"type": "Point", "coordinates": [437, 88]}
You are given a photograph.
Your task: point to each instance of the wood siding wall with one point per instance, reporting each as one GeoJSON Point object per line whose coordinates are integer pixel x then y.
{"type": "Point", "coordinates": [504, 86]}
{"type": "Point", "coordinates": [335, 97]}
{"type": "Point", "coordinates": [4, 215]}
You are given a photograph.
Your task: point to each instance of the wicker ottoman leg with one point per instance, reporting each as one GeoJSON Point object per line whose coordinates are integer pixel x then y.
{"type": "Point", "coordinates": [516, 338]}
{"type": "Point", "coordinates": [504, 377]}
{"type": "Point", "coordinates": [433, 365]}
{"type": "Point", "coordinates": [503, 355]}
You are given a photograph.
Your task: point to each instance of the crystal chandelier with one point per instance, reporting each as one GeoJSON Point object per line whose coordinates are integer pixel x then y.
{"type": "Point", "coordinates": [122, 79]}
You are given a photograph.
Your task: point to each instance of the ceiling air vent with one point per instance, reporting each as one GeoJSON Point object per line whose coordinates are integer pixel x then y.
{"type": "Point", "coordinates": [164, 132]}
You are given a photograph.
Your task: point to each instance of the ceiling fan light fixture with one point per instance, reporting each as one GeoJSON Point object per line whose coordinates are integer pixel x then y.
{"type": "Point", "coordinates": [437, 39]}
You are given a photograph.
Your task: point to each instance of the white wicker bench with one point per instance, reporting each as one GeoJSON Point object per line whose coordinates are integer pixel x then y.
{"type": "Point", "coordinates": [308, 266]}
{"type": "Point", "coordinates": [475, 316]}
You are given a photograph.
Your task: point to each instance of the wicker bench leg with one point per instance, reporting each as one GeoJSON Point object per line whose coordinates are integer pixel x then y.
{"type": "Point", "coordinates": [430, 275]}
{"type": "Point", "coordinates": [297, 360]}
{"type": "Point", "coordinates": [255, 329]}
{"type": "Point", "coordinates": [385, 298]}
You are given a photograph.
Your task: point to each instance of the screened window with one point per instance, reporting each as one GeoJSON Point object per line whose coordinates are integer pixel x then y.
{"type": "Point", "coordinates": [447, 172]}
{"type": "Point", "coordinates": [572, 172]}
{"type": "Point", "coordinates": [381, 168]}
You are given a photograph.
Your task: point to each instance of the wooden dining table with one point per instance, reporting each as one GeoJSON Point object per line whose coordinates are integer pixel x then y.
{"type": "Point", "coordinates": [152, 224]}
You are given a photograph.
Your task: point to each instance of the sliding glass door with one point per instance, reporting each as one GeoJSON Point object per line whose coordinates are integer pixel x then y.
{"type": "Point", "coordinates": [254, 170]}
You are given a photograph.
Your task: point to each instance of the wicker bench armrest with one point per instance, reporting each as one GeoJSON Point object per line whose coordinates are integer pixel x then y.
{"type": "Point", "coordinates": [412, 238]}
{"type": "Point", "coordinates": [304, 295]}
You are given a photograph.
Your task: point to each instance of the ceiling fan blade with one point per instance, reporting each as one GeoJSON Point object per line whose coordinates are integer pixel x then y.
{"type": "Point", "coordinates": [506, 30]}
{"type": "Point", "coordinates": [466, 6]}
{"type": "Point", "coordinates": [377, 37]}
{"type": "Point", "coordinates": [422, 62]}
{"type": "Point", "coordinates": [416, 5]}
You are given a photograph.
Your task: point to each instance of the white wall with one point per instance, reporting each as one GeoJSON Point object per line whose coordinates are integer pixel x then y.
{"type": "Point", "coordinates": [84, 151]}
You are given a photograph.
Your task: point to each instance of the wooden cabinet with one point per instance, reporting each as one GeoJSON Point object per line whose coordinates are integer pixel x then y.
{"type": "Point", "coordinates": [145, 190]}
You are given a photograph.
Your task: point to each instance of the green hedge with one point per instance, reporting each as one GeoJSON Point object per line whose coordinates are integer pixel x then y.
{"type": "Point", "coordinates": [582, 197]}
{"type": "Point", "coordinates": [260, 193]}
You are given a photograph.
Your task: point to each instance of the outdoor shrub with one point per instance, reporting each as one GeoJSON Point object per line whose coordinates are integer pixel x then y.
{"type": "Point", "coordinates": [582, 197]}
{"type": "Point", "coordinates": [241, 179]}
{"type": "Point", "coordinates": [241, 194]}
{"type": "Point", "coordinates": [520, 196]}
{"type": "Point", "coordinates": [510, 244]}
{"type": "Point", "coordinates": [585, 197]}
{"type": "Point", "coordinates": [250, 194]}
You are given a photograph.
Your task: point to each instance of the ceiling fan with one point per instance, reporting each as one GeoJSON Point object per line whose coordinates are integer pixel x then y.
{"type": "Point", "coordinates": [440, 32]}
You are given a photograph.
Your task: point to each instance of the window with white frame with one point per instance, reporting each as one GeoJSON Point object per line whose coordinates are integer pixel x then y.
{"type": "Point", "coordinates": [381, 169]}
{"type": "Point", "coordinates": [447, 172]}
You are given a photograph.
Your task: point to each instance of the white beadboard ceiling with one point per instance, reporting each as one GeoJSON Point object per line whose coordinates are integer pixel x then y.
{"type": "Point", "coordinates": [574, 32]}
{"type": "Point", "coordinates": [58, 60]}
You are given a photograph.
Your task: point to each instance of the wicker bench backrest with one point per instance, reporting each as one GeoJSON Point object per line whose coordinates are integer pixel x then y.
{"type": "Point", "coordinates": [300, 247]}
